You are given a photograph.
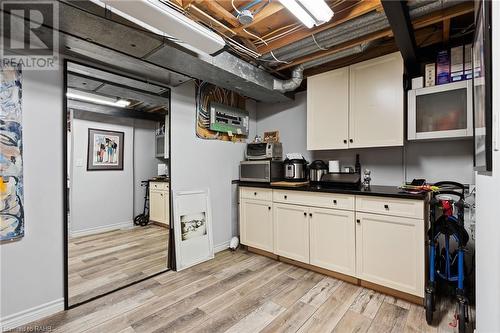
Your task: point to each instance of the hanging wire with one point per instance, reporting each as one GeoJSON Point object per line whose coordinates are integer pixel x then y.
{"type": "Point", "coordinates": [236, 9]}
{"type": "Point", "coordinates": [319, 47]}
{"type": "Point", "coordinates": [271, 52]}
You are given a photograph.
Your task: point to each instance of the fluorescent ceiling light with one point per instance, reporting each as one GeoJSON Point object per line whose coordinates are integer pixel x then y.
{"type": "Point", "coordinates": [299, 12]}
{"type": "Point", "coordinates": [318, 9]}
{"type": "Point", "coordinates": [309, 12]}
{"type": "Point", "coordinates": [161, 19]}
{"type": "Point", "coordinates": [97, 99]}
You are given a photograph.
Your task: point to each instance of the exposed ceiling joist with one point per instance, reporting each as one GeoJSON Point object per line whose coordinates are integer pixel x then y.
{"type": "Point", "coordinates": [444, 14]}
{"type": "Point", "coordinates": [337, 48]}
{"type": "Point", "coordinates": [399, 19]}
{"type": "Point", "coordinates": [419, 23]}
{"type": "Point", "coordinates": [361, 8]}
{"type": "Point", "coordinates": [446, 30]}
{"type": "Point", "coordinates": [222, 12]}
{"type": "Point", "coordinates": [268, 11]}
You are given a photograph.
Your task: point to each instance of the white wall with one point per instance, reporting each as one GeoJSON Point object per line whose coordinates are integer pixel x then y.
{"type": "Point", "coordinates": [199, 164]}
{"type": "Point", "coordinates": [445, 160]}
{"type": "Point", "coordinates": [487, 224]}
{"type": "Point", "coordinates": [101, 199]}
{"type": "Point", "coordinates": [31, 271]}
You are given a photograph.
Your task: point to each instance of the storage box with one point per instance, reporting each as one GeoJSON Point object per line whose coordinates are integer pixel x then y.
{"type": "Point", "coordinates": [468, 61]}
{"type": "Point", "coordinates": [443, 67]}
{"type": "Point", "coordinates": [417, 82]}
{"type": "Point", "coordinates": [430, 74]}
{"type": "Point", "coordinates": [457, 64]}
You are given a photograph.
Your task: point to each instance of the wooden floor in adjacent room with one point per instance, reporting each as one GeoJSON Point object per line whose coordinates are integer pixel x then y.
{"type": "Point", "coordinates": [102, 262]}
{"type": "Point", "coordinates": [244, 292]}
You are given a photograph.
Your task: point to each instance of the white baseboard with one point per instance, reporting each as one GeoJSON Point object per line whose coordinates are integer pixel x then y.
{"type": "Point", "coordinates": [35, 313]}
{"type": "Point", "coordinates": [97, 230]}
{"type": "Point", "coordinates": [221, 247]}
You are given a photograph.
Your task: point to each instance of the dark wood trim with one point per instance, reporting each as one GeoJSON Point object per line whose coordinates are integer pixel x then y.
{"type": "Point", "coordinates": [171, 262]}
{"type": "Point", "coordinates": [65, 184]}
{"type": "Point", "coordinates": [399, 18]}
{"type": "Point", "coordinates": [320, 270]}
{"type": "Point", "coordinates": [263, 253]}
{"type": "Point", "coordinates": [347, 278]}
{"type": "Point", "coordinates": [391, 292]}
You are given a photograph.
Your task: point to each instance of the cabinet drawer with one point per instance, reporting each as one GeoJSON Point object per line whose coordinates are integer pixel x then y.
{"type": "Point", "coordinates": [158, 186]}
{"type": "Point", "coordinates": [391, 206]}
{"type": "Point", "coordinates": [326, 200]}
{"type": "Point", "coordinates": [256, 193]}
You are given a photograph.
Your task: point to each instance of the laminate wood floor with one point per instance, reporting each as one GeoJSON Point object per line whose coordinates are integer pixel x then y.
{"type": "Point", "coordinates": [244, 292]}
{"type": "Point", "coordinates": [103, 262]}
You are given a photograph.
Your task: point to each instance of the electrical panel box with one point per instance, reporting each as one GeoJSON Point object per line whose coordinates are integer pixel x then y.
{"type": "Point", "coordinates": [227, 119]}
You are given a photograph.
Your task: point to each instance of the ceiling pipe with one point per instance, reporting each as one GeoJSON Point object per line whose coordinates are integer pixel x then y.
{"type": "Point", "coordinates": [292, 83]}
{"type": "Point", "coordinates": [353, 28]}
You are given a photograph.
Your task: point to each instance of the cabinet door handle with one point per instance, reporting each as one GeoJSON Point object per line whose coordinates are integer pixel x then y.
{"type": "Point", "coordinates": [161, 194]}
{"type": "Point", "coordinates": [351, 140]}
{"type": "Point", "coordinates": [358, 221]}
{"type": "Point", "coordinates": [269, 207]}
{"type": "Point", "coordinates": [386, 206]}
{"type": "Point", "coordinates": [334, 202]}
{"type": "Point", "coordinates": [254, 193]}
{"type": "Point", "coordinates": [345, 142]}
{"type": "Point", "coordinates": [286, 197]}
{"type": "Point", "coordinates": [305, 214]}
{"type": "Point", "coordinates": [310, 215]}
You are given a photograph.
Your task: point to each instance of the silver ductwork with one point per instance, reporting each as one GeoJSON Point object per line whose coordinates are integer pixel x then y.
{"type": "Point", "coordinates": [292, 83]}
{"type": "Point", "coordinates": [363, 25]}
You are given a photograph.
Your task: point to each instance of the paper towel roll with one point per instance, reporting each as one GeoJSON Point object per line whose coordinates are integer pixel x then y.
{"type": "Point", "coordinates": [334, 166]}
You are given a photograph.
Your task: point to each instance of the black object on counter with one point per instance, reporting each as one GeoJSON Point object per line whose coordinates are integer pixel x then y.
{"type": "Point", "coordinates": [341, 180]}
{"type": "Point", "coordinates": [357, 166]}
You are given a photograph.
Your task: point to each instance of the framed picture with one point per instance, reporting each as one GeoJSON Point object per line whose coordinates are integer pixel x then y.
{"type": "Point", "coordinates": [272, 136]}
{"type": "Point", "coordinates": [192, 228]}
{"type": "Point", "coordinates": [482, 88]}
{"type": "Point", "coordinates": [105, 150]}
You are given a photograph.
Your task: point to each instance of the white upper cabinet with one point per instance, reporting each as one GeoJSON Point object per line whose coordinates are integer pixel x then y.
{"type": "Point", "coordinates": [357, 106]}
{"type": "Point", "coordinates": [376, 116]}
{"type": "Point", "coordinates": [328, 110]}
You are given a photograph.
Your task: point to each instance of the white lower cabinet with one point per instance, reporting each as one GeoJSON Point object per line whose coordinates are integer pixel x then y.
{"type": "Point", "coordinates": [256, 224]}
{"type": "Point", "coordinates": [159, 203]}
{"type": "Point", "coordinates": [291, 231]}
{"type": "Point", "coordinates": [332, 240]}
{"type": "Point", "coordinates": [390, 252]}
{"type": "Point", "coordinates": [380, 240]}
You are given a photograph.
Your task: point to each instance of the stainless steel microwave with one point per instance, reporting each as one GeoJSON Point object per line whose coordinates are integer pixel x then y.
{"type": "Point", "coordinates": [265, 171]}
{"type": "Point", "coordinates": [264, 151]}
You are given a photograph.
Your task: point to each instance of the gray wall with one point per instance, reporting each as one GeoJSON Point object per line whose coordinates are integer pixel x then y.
{"type": "Point", "coordinates": [31, 271]}
{"type": "Point", "coordinates": [101, 199]}
{"type": "Point", "coordinates": [450, 160]}
{"type": "Point", "coordinates": [488, 226]}
{"type": "Point", "coordinates": [200, 164]}
{"type": "Point", "coordinates": [106, 198]}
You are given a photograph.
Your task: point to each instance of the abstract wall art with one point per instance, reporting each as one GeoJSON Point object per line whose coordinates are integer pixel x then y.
{"type": "Point", "coordinates": [11, 154]}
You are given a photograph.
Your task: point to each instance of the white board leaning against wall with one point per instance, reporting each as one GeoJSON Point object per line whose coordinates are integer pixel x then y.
{"type": "Point", "coordinates": [192, 228]}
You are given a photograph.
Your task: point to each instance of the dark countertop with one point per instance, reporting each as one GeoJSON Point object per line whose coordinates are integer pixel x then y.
{"type": "Point", "coordinates": [160, 180]}
{"type": "Point", "coordinates": [375, 190]}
